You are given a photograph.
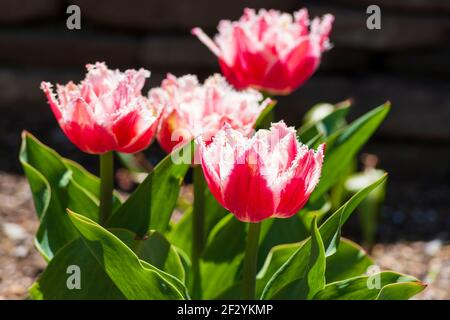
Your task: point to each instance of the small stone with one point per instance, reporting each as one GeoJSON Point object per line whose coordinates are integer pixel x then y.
{"type": "Point", "coordinates": [16, 290]}
{"type": "Point", "coordinates": [14, 231]}
{"type": "Point", "coordinates": [21, 251]}
{"type": "Point", "coordinates": [433, 247]}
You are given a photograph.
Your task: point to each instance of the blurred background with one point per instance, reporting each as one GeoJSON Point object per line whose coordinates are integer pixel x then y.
{"type": "Point", "coordinates": [406, 62]}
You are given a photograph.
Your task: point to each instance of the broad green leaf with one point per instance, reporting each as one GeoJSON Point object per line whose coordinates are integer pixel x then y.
{"type": "Point", "coordinates": [55, 187]}
{"type": "Point", "coordinates": [280, 231]}
{"type": "Point", "coordinates": [277, 256]}
{"type": "Point", "coordinates": [313, 210]}
{"type": "Point", "coordinates": [350, 260]}
{"type": "Point", "coordinates": [94, 281]}
{"type": "Point", "coordinates": [136, 278]}
{"type": "Point", "coordinates": [295, 267]}
{"type": "Point", "coordinates": [154, 249]}
{"type": "Point", "coordinates": [401, 291]}
{"type": "Point", "coordinates": [323, 119]}
{"type": "Point", "coordinates": [343, 145]}
{"type": "Point", "coordinates": [314, 278]}
{"type": "Point", "coordinates": [222, 259]}
{"type": "Point", "coordinates": [109, 258]}
{"type": "Point", "coordinates": [151, 204]}
{"type": "Point", "coordinates": [180, 233]}
{"type": "Point", "coordinates": [363, 287]}
{"type": "Point", "coordinates": [105, 265]}
{"type": "Point", "coordinates": [89, 182]}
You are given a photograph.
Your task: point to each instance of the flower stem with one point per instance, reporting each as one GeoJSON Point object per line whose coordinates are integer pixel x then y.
{"type": "Point", "coordinates": [198, 226]}
{"type": "Point", "coordinates": [106, 185]}
{"type": "Point", "coordinates": [250, 262]}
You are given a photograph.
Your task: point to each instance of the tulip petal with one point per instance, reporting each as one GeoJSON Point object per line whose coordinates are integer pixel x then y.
{"type": "Point", "coordinates": [247, 194]}
{"type": "Point", "coordinates": [298, 188]}
{"type": "Point", "coordinates": [54, 105]}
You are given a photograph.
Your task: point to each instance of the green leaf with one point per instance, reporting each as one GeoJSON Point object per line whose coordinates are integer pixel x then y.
{"type": "Point", "coordinates": [94, 281]}
{"type": "Point", "coordinates": [266, 116]}
{"type": "Point", "coordinates": [350, 260]}
{"type": "Point", "coordinates": [55, 187]}
{"type": "Point", "coordinates": [370, 209]}
{"type": "Point", "coordinates": [365, 287]}
{"type": "Point", "coordinates": [333, 119]}
{"type": "Point", "coordinates": [222, 259]}
{"type": "Point", "coordinates": [295, 267]}
{"type": "Point", "coordinates": [105, 262]}
{"type": "Point", "coordinates": [400, 291]}
{"type": "Point", "coordinates": [312, 210]}
{"type": "Point", "coordinates": [277, 256]}
{"type": "Point", "coordinates": [343, 145]}
{"type": "Point", "coordinates": [180, 233]}
{"type": "Point", "coordinates": [154, 249]}
{"type": "Point", "coordinates": [315, 141]}
{"type": "Point", "coordinates": [314, 278]}
{"type": "Point", "coordinates": [151, 204]}
{"type": "Point", "coordinates": [89, 182]}
{"type": "Point", "coordinates": [280, 231]}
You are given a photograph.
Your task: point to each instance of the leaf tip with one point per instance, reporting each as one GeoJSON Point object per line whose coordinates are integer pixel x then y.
{"type": "Point", "coordinates": [25, 133]}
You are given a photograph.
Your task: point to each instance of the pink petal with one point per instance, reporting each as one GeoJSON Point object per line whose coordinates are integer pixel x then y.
{"type": "Point", "coordinates": [47, 88]}
{"type": "Point", "coordinates": [297, 190]}
{"type": "Point", "coordinates": [207, 41]}
{"type": "Point", "coordinates": [246, 193]}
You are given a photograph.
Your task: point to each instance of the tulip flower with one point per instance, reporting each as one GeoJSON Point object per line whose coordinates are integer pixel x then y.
{"type": "Point", "coordinates": [268, 175]}
{"type": "Point", "coordinates": [192, 109]}
{"type": "Point", "coordinates": [270, 51]}
{"type": "Point", "coordinates": [106, 111]}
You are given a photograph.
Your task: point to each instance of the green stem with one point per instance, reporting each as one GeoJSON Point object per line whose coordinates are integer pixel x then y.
{"type": "Point", "coordinates": [198, 226]}
{"type": "Point", "coordinates": [106, 185]}
{"type": "Point", "coordinates": [250, 262]}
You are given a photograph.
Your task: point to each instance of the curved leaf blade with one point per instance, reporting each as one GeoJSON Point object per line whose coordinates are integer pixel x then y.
{"type": "Point", "coordinates": [295, 267]}
{"type": "Point", "coordinates": [343, 145]}
{"type": "Point", "coordinates": [150, 206]}
{"type": "Point", "coordinates": [131, 276]}
{"type": "Point", "coordinates": [363, 287]}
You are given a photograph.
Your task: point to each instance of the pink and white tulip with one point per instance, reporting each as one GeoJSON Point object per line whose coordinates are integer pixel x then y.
{"type": "Point", "coordinates": [106, 111]}
{"type": "Point", "coordinates": [192, 109]}
{"type": "Point", "coordinates": [268, 175]}
{"type": "Point", "coordinates": [270, 51]}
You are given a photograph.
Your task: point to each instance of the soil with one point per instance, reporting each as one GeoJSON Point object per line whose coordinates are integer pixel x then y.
{"type": "Point", "coordinates": [21, 264]}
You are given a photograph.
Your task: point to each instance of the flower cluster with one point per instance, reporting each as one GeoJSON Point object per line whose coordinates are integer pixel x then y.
{"type": "Point", "coordinates": [268, 51]}
{"type": "Point", "coordinates": [244, 163]}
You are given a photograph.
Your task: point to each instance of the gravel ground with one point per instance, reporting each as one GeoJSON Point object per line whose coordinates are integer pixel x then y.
{"type": "Point", "coordinates": [20, 263]}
